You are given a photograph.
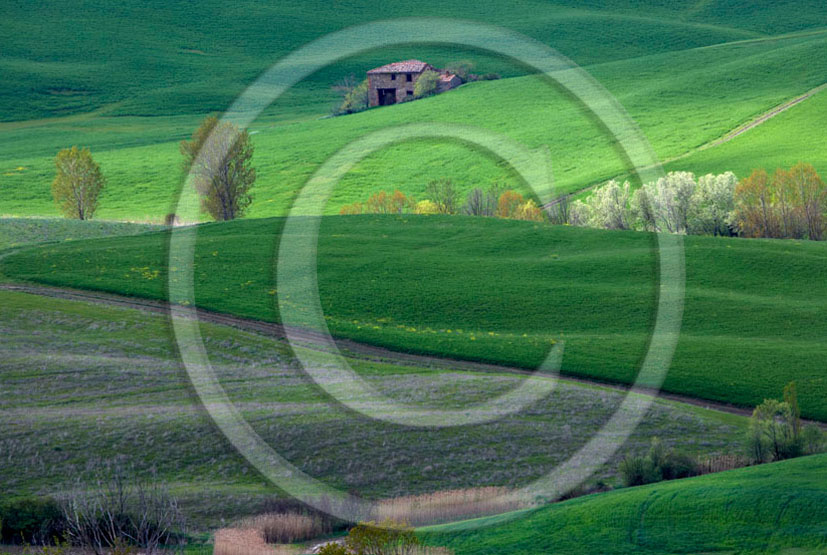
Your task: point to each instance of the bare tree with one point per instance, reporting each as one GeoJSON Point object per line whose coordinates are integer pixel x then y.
{"type": "Point", "coordinates": [558, 210]}
{"type": "Point", "coordinates": [218, 156]}
{"type": "Point", "coordinates": [442, 193]}
{"type": "Point", "coordinates": [115, 507]}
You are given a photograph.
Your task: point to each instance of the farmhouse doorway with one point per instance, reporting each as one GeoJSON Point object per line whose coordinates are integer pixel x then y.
{"type": "Point", "coordinates": [386, 96]}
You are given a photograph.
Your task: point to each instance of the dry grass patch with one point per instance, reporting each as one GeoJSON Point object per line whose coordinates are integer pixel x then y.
{"type": "Point", "coordinates": [448, 506]}
{"type": "Point", "coordinates": [287, 527]}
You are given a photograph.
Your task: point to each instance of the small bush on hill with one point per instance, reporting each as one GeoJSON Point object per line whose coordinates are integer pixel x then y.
{"type": "Point", "coordinates": [659, 464]}
{"type": "Point", "coordinates": [31, 520]}
{"type": "Point", "coordinates": [385, 538]}
{"type": "Point", "coordinates": [812, 439]}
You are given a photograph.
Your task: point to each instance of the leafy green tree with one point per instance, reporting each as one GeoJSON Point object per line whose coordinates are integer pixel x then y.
{"type": "Point", "coordinates": [461, 69]}
{"type": "Point", "coordinates": [78, 183]}
{"type": "Point", "coordinates": [427, 84]}
{"type": "Point", "coordinates": [773, 432]}
{"type": "Point", "coordinates": [219, 159]}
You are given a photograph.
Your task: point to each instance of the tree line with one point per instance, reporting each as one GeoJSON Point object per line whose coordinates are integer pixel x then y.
{"type": "Point", "coordinates": [441, 197]}
{"type": "Point", "coordinates": [789, 204]}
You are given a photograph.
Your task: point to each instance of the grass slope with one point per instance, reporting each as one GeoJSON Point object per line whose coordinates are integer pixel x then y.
{"type": "Point", "coordinates": [769, 508]}
{"type": "Point", "coordinates": [786, 139]}
{"type": "Point", "coordinates": [16, 232]}
{"type": "Point", "coordinates": [681, 100]}
{"type": "Point", "coordinates": [84, 382]}
{"type": "Point", "coordinates": [151, 58]}
{"type": "Point", "coordinates": [502, 291]}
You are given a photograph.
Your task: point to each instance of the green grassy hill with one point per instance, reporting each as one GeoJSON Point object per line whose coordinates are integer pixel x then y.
{"type": "Point", "coordinates": [788, 138]}
{"type": "Point", "coordinates": [773, 508]}
{"type": "Point", "coordinates": [502, 291]}
{"type": "Point", "coordinates": [681, 100]}
{"type": "Point", "coordinates": [15, 232]}
{"type": "Point", "coordinates": [151, 58]}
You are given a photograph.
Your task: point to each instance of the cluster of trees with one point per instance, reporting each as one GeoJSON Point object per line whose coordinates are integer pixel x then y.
{"type": "Point", "coordinates": [441, 197]}
{"type": "Point", "coordinates": [218, 156]}
{"type": "Point", "coordinates": [776, 432]}
{"type": "Point", "coordinates": [790, 205]}
{"type": "Point", "coordinates": [676, 203]}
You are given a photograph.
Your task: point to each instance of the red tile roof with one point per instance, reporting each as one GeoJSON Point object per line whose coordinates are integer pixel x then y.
{"type": "Point", "coordinates": [447, 77]}
{"type": "Point", "coordinates": [408, 66]}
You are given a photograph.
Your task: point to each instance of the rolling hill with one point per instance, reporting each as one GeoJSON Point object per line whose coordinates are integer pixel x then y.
{"type": "Point", "coordinates": [680, 99]}
{"type": "Point", "coordinates": [503, 291]}
{"type": "Point", "coordinates": [154, 58]}
{"type": "Point", "coordinates": [779, 507]}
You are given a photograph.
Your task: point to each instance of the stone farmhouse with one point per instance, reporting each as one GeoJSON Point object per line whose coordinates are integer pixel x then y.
{"type": "Point", "coordinates": [395, 82]}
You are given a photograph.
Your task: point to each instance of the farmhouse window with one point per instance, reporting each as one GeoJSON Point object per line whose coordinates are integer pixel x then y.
{"type": "Point", "coordinates": [408, 77]}
{"type": "Point", "coordinates": [393, 77]}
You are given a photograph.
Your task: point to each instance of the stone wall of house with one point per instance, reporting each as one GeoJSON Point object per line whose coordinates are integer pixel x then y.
{"type": "Point", "coordinates": [385, 81]}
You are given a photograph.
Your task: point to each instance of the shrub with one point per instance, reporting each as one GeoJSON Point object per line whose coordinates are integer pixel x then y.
{"type": "Point", "coordinates": [31, 520]}
{"type": "Point", "coordinates": [773, 434]}
{"type": "Point", "coordinates": [461, 69]}
{"type": "Point", "coordinates": [529, 211]}
{"type": "Point", "coordinates": [385, 538]}
{"type": "Point", "coordinates": [659, 464]}
{"type": "Point", "coordinates": [812, 439]}
{"type": "Point", "coordinates": [354, 95]}
{"type": "Point", "coordinates": [482, 203]}
{"type": "Point", "coordinates": [426, 207]}
{"type": "Point", "coordinates": [427, 84]}
{"type": "Point", "coordinates": [351, 209]}
{"type": "Point", "coordinates": [638, 471]}
{"type": "Point", "coordinates": [333, 548]}
{"type": "Point", "coordinates": [383, 203]}
{"type": "Point", "coordinates": [508, 204]}
{"type": "Point", "coordinates": [442, 193]}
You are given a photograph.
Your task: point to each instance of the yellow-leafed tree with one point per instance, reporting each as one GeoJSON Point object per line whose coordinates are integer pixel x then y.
{"type": "Point", "coordinates": [78, 183]}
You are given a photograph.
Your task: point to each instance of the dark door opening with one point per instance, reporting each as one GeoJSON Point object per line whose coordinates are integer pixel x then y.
{"type": "Point", "coordinates": [386, 96]}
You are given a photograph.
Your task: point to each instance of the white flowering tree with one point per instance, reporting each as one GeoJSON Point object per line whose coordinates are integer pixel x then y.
{"type": "Point", "coordinates": [606, 208]}
{"type": "Point", "coordinates": [664, 204]}
{"type": "Point", "coordinates": [712, 204]}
